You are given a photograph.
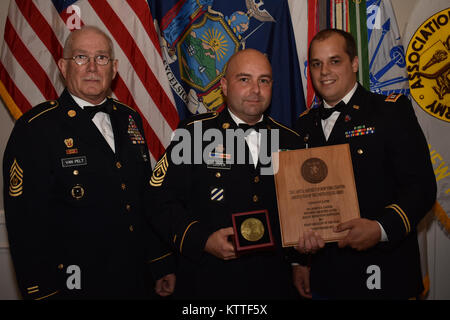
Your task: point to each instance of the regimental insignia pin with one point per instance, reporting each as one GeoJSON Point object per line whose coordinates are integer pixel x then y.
{"type": "Point", "coordinates": [15, 180]}
{"type": "Point", "coordinates": [217, 194]}
{"type": "Point", "coordinates": [356, 107]}
{"type": "Point", "coordinates": [71, 113]}
{"type": "Point", "coordinates": [68, 142]}
{"type": "Point", "coordinates": [226, 125]}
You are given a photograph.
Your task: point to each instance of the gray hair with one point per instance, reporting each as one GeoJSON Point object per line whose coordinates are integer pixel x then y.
{"type": "Point", "coordinates": [67, 51]}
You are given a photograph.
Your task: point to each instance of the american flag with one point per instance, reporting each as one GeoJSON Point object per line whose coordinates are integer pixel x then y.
{"type": "Point", "coordinates": [35, 32]}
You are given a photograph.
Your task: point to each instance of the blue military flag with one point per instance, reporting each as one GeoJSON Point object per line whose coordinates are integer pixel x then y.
{"type": "Point", "coordinates": [197, 38]}
{"type": "Point", "coordinates": [387, 72]}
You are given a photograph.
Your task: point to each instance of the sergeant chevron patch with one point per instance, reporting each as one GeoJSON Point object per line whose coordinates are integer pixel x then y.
{"type": "Point", "coordinates": [159, 172]}
{"type": "Point", "coordinates": [15, 180]}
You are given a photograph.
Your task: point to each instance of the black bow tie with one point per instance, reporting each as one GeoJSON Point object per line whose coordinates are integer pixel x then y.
{"type": "Point", "coordinates": [257, 126]}
{"type": "Point", "coordinates": [325, 113]}
{"type": "Point", "coordinates": [104, 107]}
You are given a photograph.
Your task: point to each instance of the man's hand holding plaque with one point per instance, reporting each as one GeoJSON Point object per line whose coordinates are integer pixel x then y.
{"type": "Point", "coordinates": [362, 234]}
{"type": "Point", "coordinates": [316, 193]}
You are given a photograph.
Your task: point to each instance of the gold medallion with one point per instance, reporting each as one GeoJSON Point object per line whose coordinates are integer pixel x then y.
{"type": "Point", "coordinates": [252, 229]}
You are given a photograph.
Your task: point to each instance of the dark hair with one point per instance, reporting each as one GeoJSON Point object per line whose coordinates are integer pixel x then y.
{"type": "Point", "coordinates": [350, 44]}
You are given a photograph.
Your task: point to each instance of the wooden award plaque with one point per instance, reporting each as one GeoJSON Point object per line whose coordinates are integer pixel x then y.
{"type": "Point", "coordinates": [315, 191]}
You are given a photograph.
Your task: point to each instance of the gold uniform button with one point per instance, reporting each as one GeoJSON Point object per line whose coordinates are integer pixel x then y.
{"type": "Point", "coordinates": [123, 186]}
{"type": "Point", "coordinates": [131, 228]}
{"type": "Point", "coordinates": [118, 165]}
{"type": "Point", "coordinates": [256, 180]}
{"type": "Point", "coordinates": [255, 198]}
{"type": "Point", "coordinates": [218, 174]}
{"type": "Point", "coordinates": [76, 172]}
{"type": "Point", "coordinates": [60, 266]}
{"type": "Point", "coordinates": [360, 151]}
{"type": "Point", "coordinates": [128, 207]}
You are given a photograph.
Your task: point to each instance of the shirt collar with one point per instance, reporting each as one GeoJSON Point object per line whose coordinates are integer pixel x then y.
{"type": "Point", "coordinates": [83, 103]}
{"type": "Point", "coordinates": [238, 120]}
{"type": "Point", "coordinates": [346, 98]}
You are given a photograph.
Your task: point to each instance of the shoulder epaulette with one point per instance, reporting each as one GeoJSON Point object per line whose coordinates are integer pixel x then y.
{"type": "Point", "coordinates": [283, 126]}
{"type": "Point", "coordinates": [202, 117]}
{"type": "Point", "coordinates": [304, 113]}
{"type": "Point", "coordinates": [393, 97]}
{"type": "Point", "coordinates": [123, 104]}
{"type": "Point", "coordinates": [42, 108]}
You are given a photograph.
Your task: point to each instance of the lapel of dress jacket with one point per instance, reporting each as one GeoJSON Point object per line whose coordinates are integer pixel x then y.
{"type": "Point", "coordinates": [265, 142]}
{"type": "Point", "coordinates": [119, 123]}
{"type": "Point", "coordinates": [75, 117]}
{"type": "Point", "coordinates": [348, 117]}
{"type": "Point", "coordinates": [316, 135]}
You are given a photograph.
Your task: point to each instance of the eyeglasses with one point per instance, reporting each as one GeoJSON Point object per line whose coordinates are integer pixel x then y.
{"type": "Point", "coordinates": [82, 59]}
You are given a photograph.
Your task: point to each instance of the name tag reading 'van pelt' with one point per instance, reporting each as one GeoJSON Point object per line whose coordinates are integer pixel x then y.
{"type": "Point", "coordinates": [74, 162]}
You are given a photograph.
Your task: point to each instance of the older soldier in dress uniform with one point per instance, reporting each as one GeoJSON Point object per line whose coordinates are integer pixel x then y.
{"type": "Point", "coordinates": [75, 171]}
{"type": "Point", "coordinates": [198, 196]}
{"type": "Point", "coordinates": [379, 258]}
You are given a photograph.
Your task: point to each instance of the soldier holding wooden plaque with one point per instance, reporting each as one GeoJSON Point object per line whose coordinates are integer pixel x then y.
{"type": "Point", "coordinates": [379, 257]}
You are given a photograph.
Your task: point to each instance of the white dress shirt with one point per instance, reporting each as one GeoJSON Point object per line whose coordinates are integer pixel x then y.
{"type": "Point", "coordinates": [328, 124]}
{"type": "Point", "coordinates": [253, 139]}
{"type": "Point", "coordinates": [101, 120]}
